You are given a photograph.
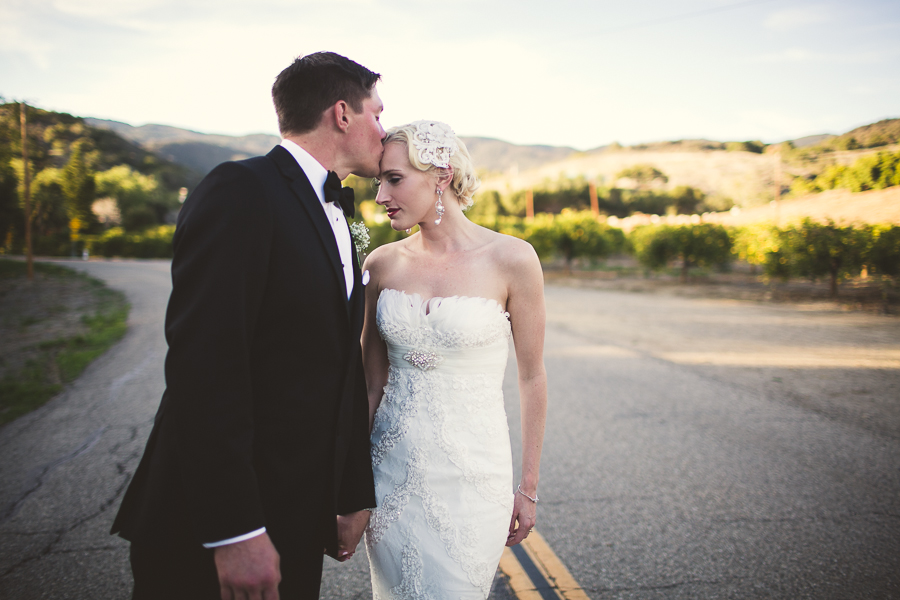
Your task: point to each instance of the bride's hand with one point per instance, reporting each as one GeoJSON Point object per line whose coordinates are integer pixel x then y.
{"type": "Point", "coordinates": [350, 530]}
{"type": "Point", "coordinates": [523, 519]}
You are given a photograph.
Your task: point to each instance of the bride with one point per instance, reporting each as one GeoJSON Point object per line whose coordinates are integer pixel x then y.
{"type": "Point", "coordinates": [440, 308]}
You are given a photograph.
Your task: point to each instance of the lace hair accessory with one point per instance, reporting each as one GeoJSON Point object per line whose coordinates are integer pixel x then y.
{"type": "Point", "coordinates": [435, 143]}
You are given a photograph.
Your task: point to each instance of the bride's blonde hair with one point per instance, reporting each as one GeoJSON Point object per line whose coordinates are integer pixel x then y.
{"type": "Point", "coordinates": [464, 183]}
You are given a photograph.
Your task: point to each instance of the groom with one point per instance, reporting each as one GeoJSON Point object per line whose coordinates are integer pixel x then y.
{"type": "Point", "coordinates": [261, 438]}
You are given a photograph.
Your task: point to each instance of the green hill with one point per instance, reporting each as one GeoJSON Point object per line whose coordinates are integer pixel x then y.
{"type": "Point", "coordinates": [877, 134]}
{"type": "Point", "coordinates": [73, 166]}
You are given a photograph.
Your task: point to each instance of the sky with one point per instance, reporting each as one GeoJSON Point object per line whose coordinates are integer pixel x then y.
{"type": "Point", "coordinates": [578, 73]}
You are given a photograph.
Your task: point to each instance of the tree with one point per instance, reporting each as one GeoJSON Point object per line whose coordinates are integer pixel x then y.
{"type": "Point", "coordinates": [703, 245]}
{"type": "Point", "coordinates": [818, 250]}
{"type": "Point", "coordinates": [643, 175]}
{"type": "Point", "coordinates": [800, 186]}
{"type": "Point", "coordinates": [846, 143]}
{"type": "Point", "coordinates": [832, 177]}
{"type": "Point", "coordinates": [687, 200]}
{"type": "Point", "coordinates": [487, 206]}
{"type": "Point", "coordinates": [11, 216]}
{"type": "Point", "coordinates": [572, 234]}
{"type": "Point", "coordinates": [873, 172]}
{"type": "Point", "coordinates": [751, 243]}
{"type": "Point", "coordinates": [141, 201]}
{"type": "Point", "coordinates": [49, 204]}
{"type": "Point", "coordinates": [750, 146]}
{"type": "Point", "coordinates": [882, 258]}
{"type": "Point", "coordinates": [653, 246]}
{"type": "Point", "coordinates": [579, 234]}
{"type": "Point", "coordinates": [79, 187]}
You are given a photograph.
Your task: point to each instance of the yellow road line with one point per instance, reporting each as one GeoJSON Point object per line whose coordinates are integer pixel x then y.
{"type": "Point", "coordinates": [550, 568]}
{"type": "Point", "coordinates": [556, 572]}
{"type": "Point", "coordinates": [519, 581]}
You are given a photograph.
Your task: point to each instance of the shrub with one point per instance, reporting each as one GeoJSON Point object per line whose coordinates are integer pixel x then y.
{"type": "Point", "coordinates": [703, 245]}
{"type": "Point", "coordinates": [817, 250]}
{"type": "Point", "coordinates": [151, 243]}
{"type": "Point", "coordinates": [752, 243]}
{"type": "Point", "coordinates": [881, 256]}
{"type": "Point", "coordinates": [572, 235]}
{"type": "Point", "coordinates": [882, 250]}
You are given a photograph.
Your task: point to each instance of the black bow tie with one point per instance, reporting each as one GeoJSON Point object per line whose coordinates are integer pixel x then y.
{"type": "Point", "coordinates": [343, 196]}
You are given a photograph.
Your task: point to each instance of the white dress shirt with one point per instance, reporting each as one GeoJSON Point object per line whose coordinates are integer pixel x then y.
{"type": "Point", "coordinates": [316, 174]}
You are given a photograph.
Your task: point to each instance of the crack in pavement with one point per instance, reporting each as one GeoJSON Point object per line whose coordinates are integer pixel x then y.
{"type": "Point", "coordinates": [34, 480]}
{"type": "Point", "coordinates": [38, 476]}
{"type": "Point", "coordinates": [48, 550]}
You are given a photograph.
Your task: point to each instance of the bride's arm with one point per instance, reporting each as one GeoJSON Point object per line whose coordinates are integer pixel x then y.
{"type": "Point", "coordinates": [374, 351]}
{"type": "Point", "coordinates": [525, 305]}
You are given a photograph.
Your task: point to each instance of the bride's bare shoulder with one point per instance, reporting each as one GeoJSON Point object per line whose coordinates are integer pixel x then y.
{"type": "Point", "coordinates": [383, 254]}
{"type": "Point", "coordinates": [513, 252]}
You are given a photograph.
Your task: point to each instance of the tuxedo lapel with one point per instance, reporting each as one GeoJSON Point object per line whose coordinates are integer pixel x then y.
{"type": "Point", "coordinates": [300, 186]}
{"type": "Point", "coordinates": [359, 290]}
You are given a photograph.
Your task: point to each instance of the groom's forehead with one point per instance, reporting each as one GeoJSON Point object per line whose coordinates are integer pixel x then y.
{"type": "Point", "coordinates": [374, 101]}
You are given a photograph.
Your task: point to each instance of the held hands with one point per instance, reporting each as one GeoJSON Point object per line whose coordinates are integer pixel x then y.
{"type": "Point", "coordinates": [250, 569]}
{"type": "Point", "coordinates": [523, 519]}
{"type": "Point", "coordinates": [350, 530]}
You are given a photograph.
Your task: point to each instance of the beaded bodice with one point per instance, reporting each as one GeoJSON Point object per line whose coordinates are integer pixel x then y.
{"type": "Point", "coordinates": [454, 334]}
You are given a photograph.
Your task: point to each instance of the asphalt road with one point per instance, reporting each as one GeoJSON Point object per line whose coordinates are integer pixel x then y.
{"type": "Point", "coordinates": [695, 449]}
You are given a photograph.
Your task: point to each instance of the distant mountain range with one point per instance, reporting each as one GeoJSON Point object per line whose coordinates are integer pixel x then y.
{"type": "Point", "coordinates": [744, 176]}
{"type": "Point", "coordinates": [201, 152]}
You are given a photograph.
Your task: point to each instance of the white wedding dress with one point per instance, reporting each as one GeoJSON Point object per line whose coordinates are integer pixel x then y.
{"type": "Point", "coordinates": [440, 449]}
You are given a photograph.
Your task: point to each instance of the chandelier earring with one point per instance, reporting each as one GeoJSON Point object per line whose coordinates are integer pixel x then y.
{"type": "Point", "coordinates": [439, 207]}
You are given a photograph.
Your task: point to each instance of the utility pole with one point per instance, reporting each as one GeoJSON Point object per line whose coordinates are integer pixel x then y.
{"type": "Point", "coordinates": [595, 205]}
{"type": "Point", "coordinates": [777, 201]}
{"type": "Point", "coordinates": [529, 205]}
{"type": "Point", "coordinates": [29, 256]}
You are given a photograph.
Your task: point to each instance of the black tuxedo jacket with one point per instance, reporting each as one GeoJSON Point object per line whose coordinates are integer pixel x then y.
{"type": "Point", "coordinates": [264, 422]}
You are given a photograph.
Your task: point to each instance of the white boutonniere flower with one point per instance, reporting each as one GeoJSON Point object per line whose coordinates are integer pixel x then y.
{"type": "Point", "coordinates": [360, 235]}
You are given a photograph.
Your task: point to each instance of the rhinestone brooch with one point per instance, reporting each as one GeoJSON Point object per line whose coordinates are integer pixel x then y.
{"type": "Point", "coordinates": [422, 359]}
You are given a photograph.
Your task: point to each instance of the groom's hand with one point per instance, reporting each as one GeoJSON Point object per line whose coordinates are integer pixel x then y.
{"type": "Point", "coordinates": [250, 569]}
{"type": "Point", "coordinates": [350, 530]}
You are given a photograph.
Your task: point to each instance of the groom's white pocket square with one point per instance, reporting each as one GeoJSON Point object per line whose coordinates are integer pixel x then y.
{"type": "Point", "coordinates": [365, 277]}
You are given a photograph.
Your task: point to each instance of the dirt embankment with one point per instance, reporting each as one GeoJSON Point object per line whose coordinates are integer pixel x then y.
{"type": "Point", "coordinates": [34, 313]}
{"type": "Point", "coordinates": [840, 206]}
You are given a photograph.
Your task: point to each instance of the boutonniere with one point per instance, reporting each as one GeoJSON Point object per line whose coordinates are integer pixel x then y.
{"type": "Point", "coordinates": [360, 235]}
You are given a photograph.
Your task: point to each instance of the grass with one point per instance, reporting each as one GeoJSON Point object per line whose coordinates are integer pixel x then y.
{"type": "Point", "coordinates": [53, 363]}
{"type": "Point", "coordinates": [14, 268]}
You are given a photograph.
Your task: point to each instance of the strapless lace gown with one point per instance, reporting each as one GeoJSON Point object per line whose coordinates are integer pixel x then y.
{"type": "Point", "coordinates": [440, 449]}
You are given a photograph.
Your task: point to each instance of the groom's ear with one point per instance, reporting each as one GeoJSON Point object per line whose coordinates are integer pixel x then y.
{"type": "Point", "coordinates": [340, 115]}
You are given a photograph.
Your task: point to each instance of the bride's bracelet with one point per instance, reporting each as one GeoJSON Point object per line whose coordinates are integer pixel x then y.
{"type": "Point", "coordinates": [519, 491]}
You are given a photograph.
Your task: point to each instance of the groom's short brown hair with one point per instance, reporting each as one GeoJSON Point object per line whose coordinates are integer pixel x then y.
{"type": "Point", "coordinates": [314, 82]}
